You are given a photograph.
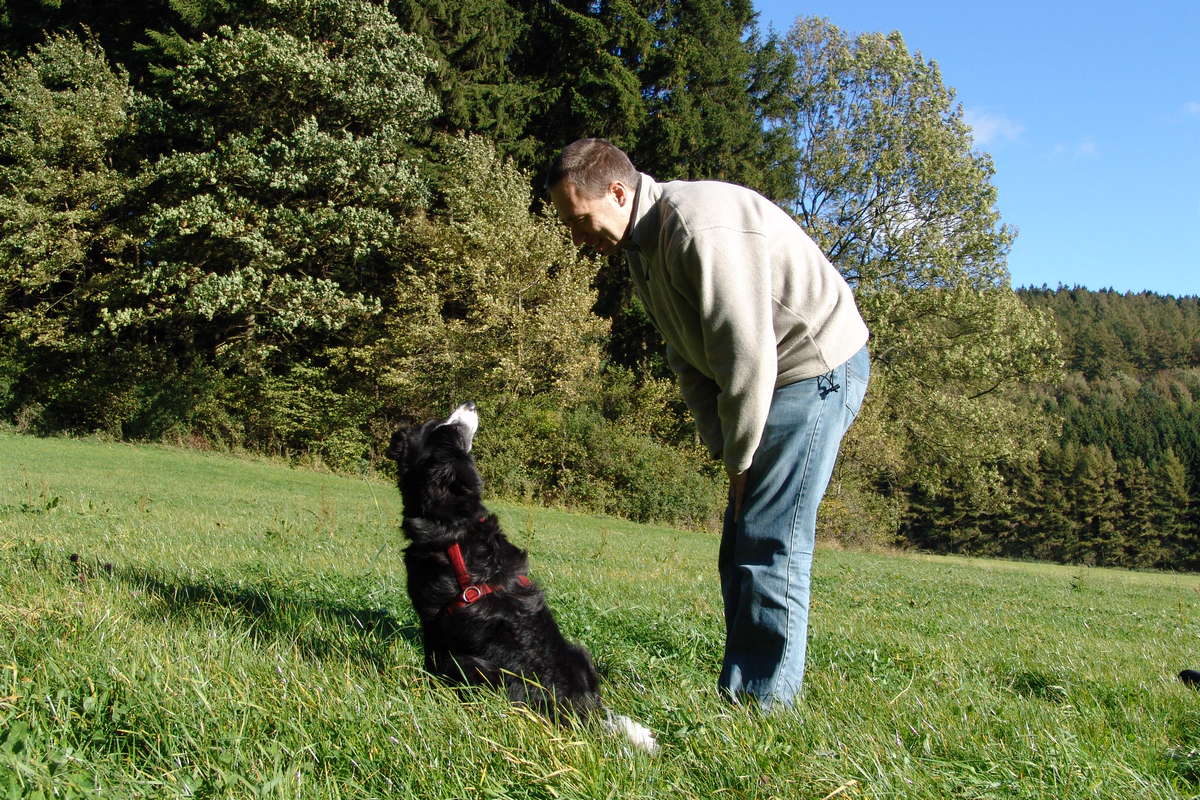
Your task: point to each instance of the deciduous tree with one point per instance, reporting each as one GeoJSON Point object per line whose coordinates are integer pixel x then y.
{"type": "Point", "coordinates": [289, 179]}
{"type": "Point", "coordinates": [65, 119]}
{"type": "Point", "coordinates": [490, 301]}
{"type": "Point", "coordinates": [890, 186]}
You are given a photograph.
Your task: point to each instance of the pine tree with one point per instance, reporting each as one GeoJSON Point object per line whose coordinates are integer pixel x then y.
{"type": "Point", "coordinates": [1096, 508]}
{"type": "Point", "coordinates": [473, 46]}
{"type": "Point", "coordinates": [1056, 536]}
{"type": "Point", "coordinates": [1023, 525]}
{"type": "Point", "coordinates": [1143, 546]}
{"type": "Point", "coordinates": [713, 92]}
{"type": "Point", "coordinates": [1170, 513]}
{"type": "Point", "coordinates": [584, 57]}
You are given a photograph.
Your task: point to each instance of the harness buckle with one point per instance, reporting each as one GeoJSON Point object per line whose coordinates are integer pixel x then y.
{"type": "Point", "coordinates": [472, 593]}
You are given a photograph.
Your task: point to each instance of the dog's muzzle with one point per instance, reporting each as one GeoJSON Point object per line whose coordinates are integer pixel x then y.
{"type": "Point", "coordinates": [467, 419]}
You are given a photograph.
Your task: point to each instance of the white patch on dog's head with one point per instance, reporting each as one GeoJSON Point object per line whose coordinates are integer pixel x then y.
{"type": "Point", "coordinates": [466, 418]}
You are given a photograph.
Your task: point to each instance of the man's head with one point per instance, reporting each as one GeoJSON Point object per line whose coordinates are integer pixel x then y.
{"type": "Point", "coordinates": [592, 185]}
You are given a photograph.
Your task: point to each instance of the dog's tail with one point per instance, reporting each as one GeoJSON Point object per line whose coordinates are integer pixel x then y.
{"type": "Point", "coordinates": [637, 734]}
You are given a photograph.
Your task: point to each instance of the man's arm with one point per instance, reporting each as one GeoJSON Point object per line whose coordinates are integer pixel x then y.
{"type": "Point", "coordinates": [700, 394]}
{"type": "Point", "coordinates": [725, 274]}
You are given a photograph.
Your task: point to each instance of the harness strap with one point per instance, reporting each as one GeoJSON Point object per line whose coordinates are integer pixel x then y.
{"type": "Point", "coordinates": [460, 566]}
{"type": "Point", "coordinates": [470, 591]}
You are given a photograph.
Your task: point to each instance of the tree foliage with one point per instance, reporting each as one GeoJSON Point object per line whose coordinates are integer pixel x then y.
{"type": "Point", "coordinates": [475, 75]}
{"type": "Point", "coordinates": [290, 178]}
{"type": "Point", "coordinates": [66, 118]}
{"type": "Point", "coordinates": [287, 224]}
{"type": "Point", "coordinates": [1121, 485]}
{"type": "Point", "coordinates": [273, 174]}
{"type": "Point", "coordinates": [685, 86]}
{"type": "Point", "coordinates": [890, 187]}
{"type": "Point", "coordinates": [489, 300]}
{"type": "Point", "coordinates": [63, 117]}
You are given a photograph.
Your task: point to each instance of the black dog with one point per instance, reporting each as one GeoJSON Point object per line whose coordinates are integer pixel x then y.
{"type": "Point", "coordinates": [483, 621]}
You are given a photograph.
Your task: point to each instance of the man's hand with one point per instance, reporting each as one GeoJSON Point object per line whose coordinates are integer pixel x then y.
{"type": "Point", "coordinates": [737, 490]}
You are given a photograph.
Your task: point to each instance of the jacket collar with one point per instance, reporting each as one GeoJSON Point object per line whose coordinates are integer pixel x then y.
{"type": "Point", "coordinates": [644, 220]}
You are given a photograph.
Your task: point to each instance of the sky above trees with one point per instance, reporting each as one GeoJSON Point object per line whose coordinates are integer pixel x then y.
{"type": "Point", "coordinates": [1091, 112]}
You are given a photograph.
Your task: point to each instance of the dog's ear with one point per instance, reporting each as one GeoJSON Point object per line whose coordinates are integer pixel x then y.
{"type": "Point", "coordinates": [455, 436]}
{"type": "Point", "coordinates": [399, 446]}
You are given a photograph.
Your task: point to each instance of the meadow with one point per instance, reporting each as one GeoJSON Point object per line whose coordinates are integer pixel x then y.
{"type": "Point", "coordinates": [184, 624]}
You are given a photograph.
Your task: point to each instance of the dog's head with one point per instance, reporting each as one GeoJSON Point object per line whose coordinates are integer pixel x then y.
{"type": "Point", "coordinates": [435, 471]}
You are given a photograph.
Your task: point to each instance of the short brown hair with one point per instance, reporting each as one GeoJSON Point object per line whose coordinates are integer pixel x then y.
{"type": "Point", "coordinates": [592, 165]}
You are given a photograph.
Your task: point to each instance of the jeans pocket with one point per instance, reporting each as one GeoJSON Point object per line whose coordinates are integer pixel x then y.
{"type": "Point", "coordinates": [858, 372]}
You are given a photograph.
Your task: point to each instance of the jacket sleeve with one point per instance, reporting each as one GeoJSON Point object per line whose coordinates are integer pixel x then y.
{"type": "Point", "coordinates": [700, 394]}
{"type": "Point", "coordinates": [725, 273]}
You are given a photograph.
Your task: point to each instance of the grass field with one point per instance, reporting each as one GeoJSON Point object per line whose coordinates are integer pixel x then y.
{"type": "Point", "coordinates": [179, 624]}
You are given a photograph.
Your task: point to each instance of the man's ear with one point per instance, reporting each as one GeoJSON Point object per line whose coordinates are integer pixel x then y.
{"type": "Point", "coordinates": [621, 192]}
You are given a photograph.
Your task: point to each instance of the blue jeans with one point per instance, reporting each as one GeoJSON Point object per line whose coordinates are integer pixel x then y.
{"type": "Point", "coordinates": [766, 553]}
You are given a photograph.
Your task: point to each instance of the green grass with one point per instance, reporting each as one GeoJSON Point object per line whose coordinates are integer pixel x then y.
{"type": "Point", "coordinates": [236, 629]}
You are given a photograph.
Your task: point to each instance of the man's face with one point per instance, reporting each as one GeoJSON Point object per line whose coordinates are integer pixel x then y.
{"type": "Point", "coordinates": [599, 222]}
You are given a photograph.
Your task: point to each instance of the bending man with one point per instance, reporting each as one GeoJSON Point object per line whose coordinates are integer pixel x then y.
{"type": "Point", "coordinates": [770, 352]}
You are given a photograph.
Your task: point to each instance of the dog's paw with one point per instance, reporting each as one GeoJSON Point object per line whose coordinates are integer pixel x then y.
{"type": "Point", "coordinates": [635, 733]}
{"type": "Point", "coordinates": [1191, 677]}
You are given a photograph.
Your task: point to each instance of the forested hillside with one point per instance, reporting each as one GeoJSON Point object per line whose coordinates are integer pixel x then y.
{"type": "Point", "coordinates": [1121, 486]}
{"type": "Point", "coordinates": [288, 225]}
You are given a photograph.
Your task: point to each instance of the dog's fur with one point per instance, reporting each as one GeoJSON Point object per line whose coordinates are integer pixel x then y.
{"type": "Point", "coordinates": [507, 639]}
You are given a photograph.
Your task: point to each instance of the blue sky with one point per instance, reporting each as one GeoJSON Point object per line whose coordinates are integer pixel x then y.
{"type": "Point", "coordinates": [1091, 113]}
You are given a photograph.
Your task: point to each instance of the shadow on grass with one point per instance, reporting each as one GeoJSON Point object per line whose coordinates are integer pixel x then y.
{"type": "Point", "coordinates": [270, 615]}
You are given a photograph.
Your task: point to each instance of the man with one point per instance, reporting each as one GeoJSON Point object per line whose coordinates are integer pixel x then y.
{"type": "Point", "coordinates": [770, 352]}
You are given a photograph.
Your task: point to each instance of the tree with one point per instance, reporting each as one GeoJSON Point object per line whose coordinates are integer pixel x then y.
{"type": "Point", "coordinates": [891, 189]}
{"type": "Point", "coordinates": [291, 177]}
{"type": "Point", "coordinates": [1170, 513]}
{"type": "Point", "coordinates": [688, 87]}
{"type": "Point", "coordinates": [1096, 507]}
{"type": "Point", "coordinates": [1054, 532]}
{"type": "Point", "coordinates": [490, 302]}
{"type": "Point", "coordinates": [473, 46]}
{"type": "Point", "coordinates": [590, 85]}
{"type": "Point", "coordinates": [715, 89]}
{"type": "Point", "coordinates": [64, 111]}
{"type": "Point", "coordinates": [65, 119]}
{"type": "Point", "coordinates": [1143, 544]}
{"type": "Point", "coordinates": [277, 173]}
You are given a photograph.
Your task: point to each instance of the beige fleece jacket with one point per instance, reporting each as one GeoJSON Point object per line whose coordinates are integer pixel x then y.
{"type": "Point", "coordinates": [744, 299]}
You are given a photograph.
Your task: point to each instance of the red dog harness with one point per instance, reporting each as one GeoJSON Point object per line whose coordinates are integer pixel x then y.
{"type": "Point", "coordinates": [471, 591]}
